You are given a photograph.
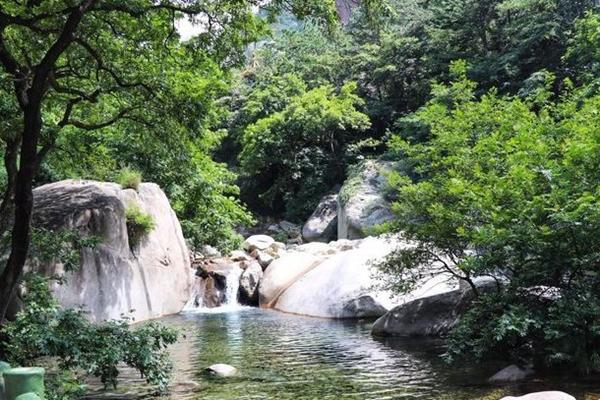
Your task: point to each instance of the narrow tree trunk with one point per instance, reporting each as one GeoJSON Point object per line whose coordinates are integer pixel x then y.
{"type": "Point", "coordinates": [21, 235]}
{"type": "Point", "coordinates": [8, 200]}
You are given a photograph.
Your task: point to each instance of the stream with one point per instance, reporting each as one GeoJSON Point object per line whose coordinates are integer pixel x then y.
{"type": "Point", "coordinates": [285, 357]}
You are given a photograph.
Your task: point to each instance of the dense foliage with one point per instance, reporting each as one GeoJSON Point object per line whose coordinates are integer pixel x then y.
{"type": "Point", "coordinates": [44, 330]}
{"type": "Point", "coordinates": [507, 187]}
{"type": "Point", "coordinates": [393, 50]}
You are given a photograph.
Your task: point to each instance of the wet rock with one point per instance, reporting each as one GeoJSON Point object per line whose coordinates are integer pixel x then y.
{"type": "Point", "coordinates": [260, 242]}
{"type": "Point", "coordinates": [511, 374]}
{"type": "Point", "coordinates": [249, 281]}
{"type": "Point", "coordinates": [321, 226]}
{"type": "Point", "coordinates": [542, 396]}
{"type": "Point", "coordinates": [264, 259]}
{"type": "Point", "coordinates": [222, 370]}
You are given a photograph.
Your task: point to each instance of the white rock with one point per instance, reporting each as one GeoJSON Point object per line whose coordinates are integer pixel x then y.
{"type": "Point", "coordinates": [512, 373]}
{"type": "Point", "coordinates": [153, 280]}
{"type": "Point", "coordinates": [542, 396]}
{"type": "Point", "coordinates": [222, 370]}
{"type": "Point", "coordinates": [317, 248]}
{"type": "Point", "coordinates": [341, 286]}
{"type": "Point", "coordinates": [239, 255]}
{"type": "Point", "coordinates": [282, 273]}
{"type": "Point", "coordinates": [260, 242]}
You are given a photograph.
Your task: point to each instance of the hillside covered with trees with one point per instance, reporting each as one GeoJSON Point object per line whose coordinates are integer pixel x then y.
{"type": "Point", "coordinates": [488, 110]}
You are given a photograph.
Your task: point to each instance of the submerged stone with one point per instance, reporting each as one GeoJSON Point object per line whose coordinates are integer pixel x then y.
{"type": "Point", "coordinates": [222, 370]}
{"type": "Point", "coordinates": [19, 381]}
{"type": "Point", "coordinates": [542, 396]}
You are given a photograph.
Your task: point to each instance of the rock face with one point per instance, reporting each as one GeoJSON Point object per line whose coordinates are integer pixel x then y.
{"type": "Point", "coordinates": [542, 396]}
{"type": "Point", "coordinates": [321, 226]}
{"type": "Point", "coordinates": [361, 203]}
{"type": "Point", "coordinates": [151, 280]}
{"type": "Point", "coordinates": [511, 374]}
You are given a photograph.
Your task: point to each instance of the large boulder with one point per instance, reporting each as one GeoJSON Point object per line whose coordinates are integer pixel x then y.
{"type": "Point", "coordinates": [283, 272]}
{"type": "Point", "coordinates": [321, 226]}
{"type": "Point", "coordinates": [145, 280]}
{"type": "Point", "coordinates": [340, 286]}
{"type": "Point", "coordinates": [432, 310]}
{"type": "Point", "coordinates": [361, 203]}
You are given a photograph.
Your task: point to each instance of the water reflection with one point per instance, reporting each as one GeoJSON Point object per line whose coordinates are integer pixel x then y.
{"type": "Point", "coordinates": [285, 357]}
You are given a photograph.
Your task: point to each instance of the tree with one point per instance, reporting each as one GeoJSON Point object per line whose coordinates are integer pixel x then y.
{"type": "Point", "coordinates": [506, 188]}
{"type": "Point", "coordinates": [297, 154]}
{"type": "Point", "coordinates": [88, 64]}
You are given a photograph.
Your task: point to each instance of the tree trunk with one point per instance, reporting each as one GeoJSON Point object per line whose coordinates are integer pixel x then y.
{"type": "Point", "coordinates": [8, 200]}
{"type": "Point", "coordinates": [21, 235]}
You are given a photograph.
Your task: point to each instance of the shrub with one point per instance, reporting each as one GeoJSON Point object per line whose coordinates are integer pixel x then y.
{"type": "Point", "coordinates": [129, 178]}
{"type": "Point", "coordinates": [139, 224]}
{"type": "Point", "coordinates": [43, 329]}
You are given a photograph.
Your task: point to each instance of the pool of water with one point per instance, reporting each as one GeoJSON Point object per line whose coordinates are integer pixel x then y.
{"type": "Point", "coordinates": [285, 357]}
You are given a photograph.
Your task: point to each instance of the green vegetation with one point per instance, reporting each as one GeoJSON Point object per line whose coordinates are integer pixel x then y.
{"type": "Point", "coordinates": [82, 348]}
{"type": "Point", "coordinates": [139, 224]}
{"type": "Point", "coordinates": [489, 109]}
{"type": "Point", "coordinates": [129, 178]}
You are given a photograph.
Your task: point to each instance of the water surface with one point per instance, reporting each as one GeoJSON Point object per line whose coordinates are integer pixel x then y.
{"type": "Point", "coordinates": [285, 357]}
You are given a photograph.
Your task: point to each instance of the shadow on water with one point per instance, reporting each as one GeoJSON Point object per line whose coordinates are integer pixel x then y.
{"type": "Point", "coordinates": [285, 357]}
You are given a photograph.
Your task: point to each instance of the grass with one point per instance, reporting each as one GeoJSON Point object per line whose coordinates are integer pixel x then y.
{"type": "Point", "coordinates": [129, 178]}
{"type": "Point", "coordinates": [139, 224]}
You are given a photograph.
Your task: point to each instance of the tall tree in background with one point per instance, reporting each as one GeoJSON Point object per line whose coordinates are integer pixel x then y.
{"type": "Point", "coordinates": [86, 65]}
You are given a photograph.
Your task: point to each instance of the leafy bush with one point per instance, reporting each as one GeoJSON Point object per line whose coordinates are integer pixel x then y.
{"type": "Point", "coordinates": [507, 188]}
{"type": "Point", "coordinates": [64, 245]}
{"type": "Point", "coordinates": [43, 329]}
{"type": "Point", "coordinates": [139, 224]}
{"type": "Point", "coordinates": [129, 178]}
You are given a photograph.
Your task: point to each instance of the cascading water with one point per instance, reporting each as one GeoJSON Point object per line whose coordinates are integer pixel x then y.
{"type": "Point", "coordinates": [216, 290]}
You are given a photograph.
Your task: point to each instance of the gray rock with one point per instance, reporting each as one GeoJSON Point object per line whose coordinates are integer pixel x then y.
{"type": "Point", "coordinates": [511, 374]}
{"type": "Point", "coordinates": [428, 316]}
{"type": "Point", "coordinates": [249, 281]}
{"type": "Point", "coordinates": [542, 396]}
{"type": "Point", "coordinates": [364, 307]}
{"type": "Point", "coordinates": [264, 259]}
{"type": "Point", "coordinates": [291, 229]}
{"type": "Point", "coordinates": [321, 226]}
{"type": "Point", "coordinates": [153, 279]}
{"type": "Point", "coordinates": [209, 251]}
{"type": "Point", "coordinates": [258, 242]}
{"type": "Point", "coordinates": [361, 203]}
{"type": "Point", "coordinates": [222, 370]}
{"type": "Point", "coordinates": [239, 255]}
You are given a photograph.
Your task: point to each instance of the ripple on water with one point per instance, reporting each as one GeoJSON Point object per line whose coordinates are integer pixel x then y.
{"type": "Point", "coordinates": [285, 357]}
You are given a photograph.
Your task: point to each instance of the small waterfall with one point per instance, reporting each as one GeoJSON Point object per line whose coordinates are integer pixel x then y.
{"type": "Point", "coordinates": [216, 290]}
